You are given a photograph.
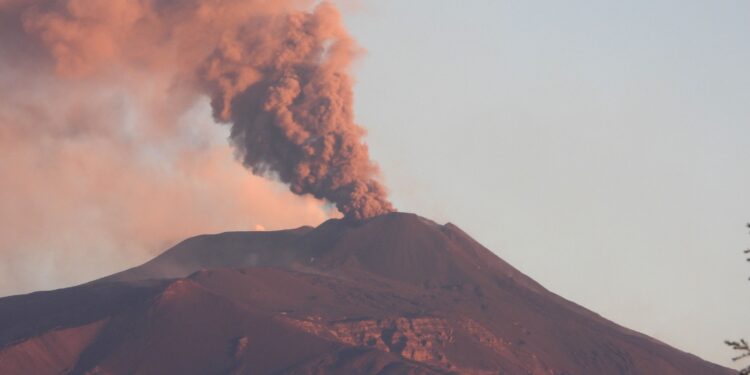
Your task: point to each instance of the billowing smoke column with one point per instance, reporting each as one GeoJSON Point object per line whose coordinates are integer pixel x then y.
{"type": "Point", "coordinates": [278, 73]}
{"type": "Point", "coordinates": [289, 100]}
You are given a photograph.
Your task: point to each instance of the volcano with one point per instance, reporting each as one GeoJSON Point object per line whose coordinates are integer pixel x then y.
{"type": "Point", "coordinates": [394, 294]}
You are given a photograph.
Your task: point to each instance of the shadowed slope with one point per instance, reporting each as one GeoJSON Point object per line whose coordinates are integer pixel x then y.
{"type": "Point", "coordinates": [399, 246]}
{"type": "Point", "coordinates": [230, 249]}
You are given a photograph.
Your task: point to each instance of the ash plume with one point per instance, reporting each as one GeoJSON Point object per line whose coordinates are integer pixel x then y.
{"type": "Point", "coordinates": [276, 71]}
{"type": "Point", "coordinates": [291, 109]}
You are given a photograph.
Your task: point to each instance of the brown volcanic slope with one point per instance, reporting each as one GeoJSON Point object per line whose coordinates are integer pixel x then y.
{"type": "Point", "coordinates": [397, 294]}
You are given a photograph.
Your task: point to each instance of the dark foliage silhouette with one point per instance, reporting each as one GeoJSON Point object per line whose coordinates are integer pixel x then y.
{"type": "Point", "coordinates": [741, 346]}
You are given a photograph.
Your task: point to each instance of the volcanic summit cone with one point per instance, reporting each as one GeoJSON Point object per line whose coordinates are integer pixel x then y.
{"type": "Point", "coordinates": [394, 294]}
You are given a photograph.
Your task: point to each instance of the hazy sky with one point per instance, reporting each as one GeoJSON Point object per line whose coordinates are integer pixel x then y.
{"type": "Point", "coordinates": [600, 147]}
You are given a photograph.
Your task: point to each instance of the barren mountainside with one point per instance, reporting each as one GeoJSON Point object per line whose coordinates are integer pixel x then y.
{"type": "Point", "coordinates": [395, 294]}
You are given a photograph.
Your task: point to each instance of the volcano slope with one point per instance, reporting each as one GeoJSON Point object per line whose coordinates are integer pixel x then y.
{"type": "Point", "coordinates": [396, 294]}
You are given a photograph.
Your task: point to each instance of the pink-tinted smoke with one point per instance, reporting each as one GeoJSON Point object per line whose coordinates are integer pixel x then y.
{"type": "Point", "coordinates": [276, 71]}
{"type": "Point", "coordinates": [108, 150]}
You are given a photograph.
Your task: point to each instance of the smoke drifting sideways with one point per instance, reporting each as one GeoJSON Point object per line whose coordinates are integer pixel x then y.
{"type": "Point", "coordinates": [109, 148]}
{"type": "Point", "coordinates": [275, 70]}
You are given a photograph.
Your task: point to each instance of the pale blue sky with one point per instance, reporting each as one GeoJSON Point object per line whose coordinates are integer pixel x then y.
{"type": "Point", "coordinates": [600, 147]}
